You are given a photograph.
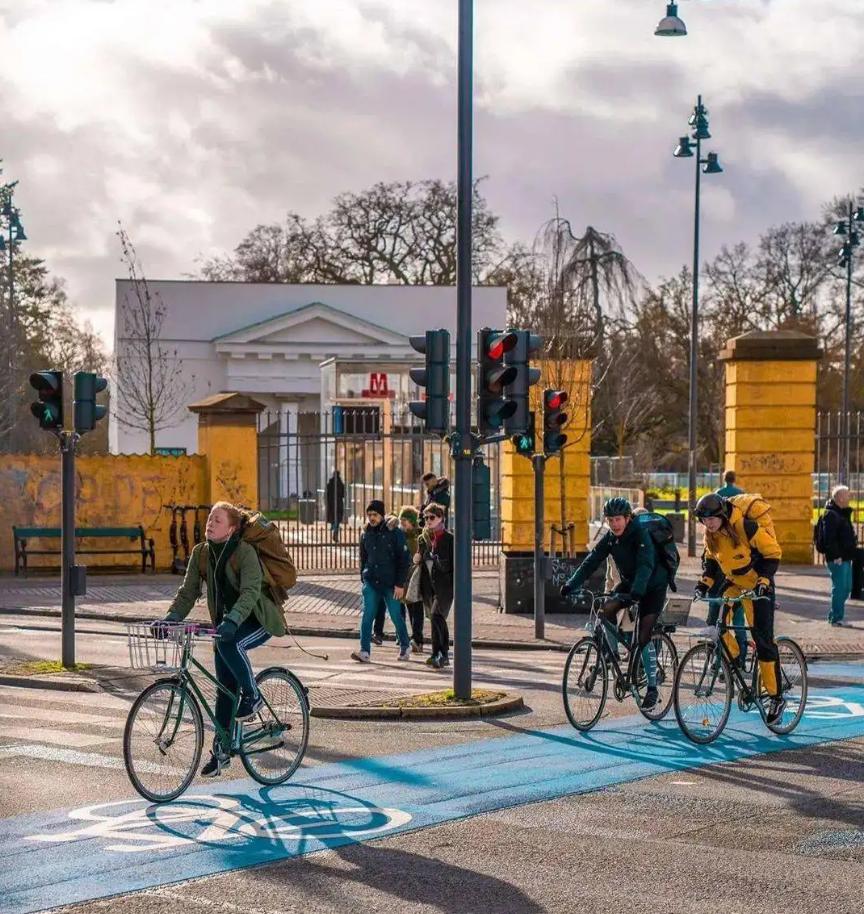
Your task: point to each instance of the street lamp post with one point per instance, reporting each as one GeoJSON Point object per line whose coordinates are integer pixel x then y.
{"type": "Point", "coordinates": [16, 235]}
{"type": "Point", "coordinates": [847, 229]}
{"type": "Point", "coordinates": [710, 166]}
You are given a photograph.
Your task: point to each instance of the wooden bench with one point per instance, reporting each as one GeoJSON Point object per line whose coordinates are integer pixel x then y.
{"type": "Point", "coordinates": [23, 550]}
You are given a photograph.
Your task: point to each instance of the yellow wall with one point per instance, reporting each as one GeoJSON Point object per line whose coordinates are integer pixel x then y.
{"type": "Point", "coordinates": [112, 490]}
{"type": "Point", "coordinates": [231, 452]}
{"type": "Point", "coordinates": [770, 439]}
{"type": "Point", "coordinates": [517, 475]}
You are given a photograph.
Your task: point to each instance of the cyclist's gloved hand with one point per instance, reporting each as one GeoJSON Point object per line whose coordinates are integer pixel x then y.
{"type": "Point", "coordinates": [227, 630]}
{"type": "Point", "coordinates": [625, 599]}
{"type": "Point", "coordinates": [763, 589]}
{"type": "Point", "coordinates": [567, 590]}
{"type": "Point", "coordinates": [161, 627]}
{"type": "Point", "coordinates": [700, 591]}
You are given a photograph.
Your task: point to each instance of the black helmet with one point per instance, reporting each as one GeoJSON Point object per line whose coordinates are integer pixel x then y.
{"type": "Point", "coordinates": [617, 507]}
{"type": "Point", "coordinates": [710, 505]}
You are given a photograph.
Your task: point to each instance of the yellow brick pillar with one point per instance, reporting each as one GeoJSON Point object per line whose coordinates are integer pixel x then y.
{"type": "Point", "coordinates": [771, 427]}
{"type": "Point", "coordinates": [228, 438]}
{"type": "Point", "coordinates": [568, 476]}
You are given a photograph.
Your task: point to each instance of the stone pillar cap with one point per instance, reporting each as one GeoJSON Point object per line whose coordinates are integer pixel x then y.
{"type": "Point", "coordinates": [227, 403]}
{"type": "Point", "coordinates": [772, 346]}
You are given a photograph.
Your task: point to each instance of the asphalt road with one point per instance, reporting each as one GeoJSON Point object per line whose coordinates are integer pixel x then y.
{"type": "Point", "coordinates": [518, 815]}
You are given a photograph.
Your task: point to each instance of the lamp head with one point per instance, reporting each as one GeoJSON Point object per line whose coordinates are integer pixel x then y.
{"type": "Point", "coordinates": [671, 26]}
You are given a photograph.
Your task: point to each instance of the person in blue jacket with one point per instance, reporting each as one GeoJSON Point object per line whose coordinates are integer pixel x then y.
{"type": "Point", "coordinates": [643, 582]}
{"type": "Point", "coordinates": [384, 565]}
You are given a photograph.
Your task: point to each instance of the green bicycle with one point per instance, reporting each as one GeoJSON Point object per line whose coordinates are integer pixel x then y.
{"type": "Point", "coordinates": [164, 734]}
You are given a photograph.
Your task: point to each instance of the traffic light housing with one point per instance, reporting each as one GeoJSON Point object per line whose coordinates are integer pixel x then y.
{"type": "Point", "coordinates": [481, 498]}
{"type": "Point", "coordinates": [553, 419]}
{"type": "Point", "coordinates": [519, 357]}
{"type": "Point", "coordinates": [525, 442]}
{"type": "Point", "coordinates": [493, 407]}
{"type": "Point", "coordinates": [87, 411]}
{"type": "Point", "coordinates": [48, 409]}
{"type": "Point", "coordinates": [435, 377]}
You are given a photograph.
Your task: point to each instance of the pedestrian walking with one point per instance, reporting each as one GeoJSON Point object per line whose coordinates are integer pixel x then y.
{"type": "Point", "coordinates": [435, 556]}
{"type": "Point", "coordinates": [437, 493]}
{"type": "Point", "coordinates": [335, 507]}
{"type": "Point", "coordinates": [409, 520]}
{"type": "Point", "coordinates": [836, 540]}
{"type": "Point", "coordinates": [384, 565]}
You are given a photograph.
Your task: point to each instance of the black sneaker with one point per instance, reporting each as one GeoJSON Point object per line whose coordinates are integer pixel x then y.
{"type": "Point", "coordinates": [214, 767]}
{"type": "Point", "coordinates": [249, 707]}
{"type": "Point", "coordinates": [444, 660]}
{"type": "Point", "coordinates": [377, 639]}
{"type": "Point", "coordinates": [776, 707]}
{"type": "Point", "coordinates": [651, 698]}
{"type": "Point", "coordinates": [434, 661]}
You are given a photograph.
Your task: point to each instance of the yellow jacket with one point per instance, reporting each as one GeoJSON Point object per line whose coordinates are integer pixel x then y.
{"type": "Point", "coordinates": [752, 560]}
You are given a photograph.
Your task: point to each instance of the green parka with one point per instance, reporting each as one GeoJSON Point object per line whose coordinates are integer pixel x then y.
{"type": "Point", "coordinates": [246, 579]}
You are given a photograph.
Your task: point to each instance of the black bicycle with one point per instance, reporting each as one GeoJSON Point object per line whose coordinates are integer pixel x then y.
{"type": "Point", "coordinates": [592, 665]}
{"type": "Point", "coordinates": [709, 677]}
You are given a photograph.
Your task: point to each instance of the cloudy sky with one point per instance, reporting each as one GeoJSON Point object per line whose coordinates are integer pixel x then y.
{"type": "Point", "coordinates": [193, 121]}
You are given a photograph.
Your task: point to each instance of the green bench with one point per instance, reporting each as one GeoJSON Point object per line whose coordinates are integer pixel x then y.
{"type": "Point", "coordinates": [23, 550]}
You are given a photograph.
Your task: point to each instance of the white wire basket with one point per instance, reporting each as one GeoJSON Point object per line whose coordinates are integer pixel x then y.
{"type": "Point", "coordinates": [159, 646]}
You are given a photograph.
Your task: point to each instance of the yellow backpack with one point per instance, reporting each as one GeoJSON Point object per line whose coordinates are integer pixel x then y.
{"type": "Point", "coordinates": [754, 508]}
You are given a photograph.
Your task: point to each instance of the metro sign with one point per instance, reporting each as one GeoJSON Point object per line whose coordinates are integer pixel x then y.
{"type": "Point", "coordinates": [379, 388]}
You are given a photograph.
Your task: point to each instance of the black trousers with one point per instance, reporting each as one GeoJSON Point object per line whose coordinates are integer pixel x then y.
{"type": "Point", "coordinates": [440, 631]}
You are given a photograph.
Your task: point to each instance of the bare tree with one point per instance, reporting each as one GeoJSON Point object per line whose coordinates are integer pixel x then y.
{"type": "Point", "coordinates": [152, 389]}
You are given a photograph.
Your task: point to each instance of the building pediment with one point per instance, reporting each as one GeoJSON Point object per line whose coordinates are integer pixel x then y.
{"type": "Point", "coordinates": [317, 328]}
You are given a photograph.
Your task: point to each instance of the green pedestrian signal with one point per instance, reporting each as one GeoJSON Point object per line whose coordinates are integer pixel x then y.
{"type": "Point", "coordinates": [49, 407]}
{"type": "Point", "coordinates": [525, 441]}
{"type": "Point", "coordinates": [87, 411]}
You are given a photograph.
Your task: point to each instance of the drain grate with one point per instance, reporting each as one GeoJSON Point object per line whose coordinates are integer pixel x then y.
{"type": "Point", "coordinates": [330, 697]}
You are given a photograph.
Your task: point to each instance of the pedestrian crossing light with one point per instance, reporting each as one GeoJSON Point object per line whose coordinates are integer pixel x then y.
{"type": "Point", "coordinates": [48, 409]}
{"type": "Point", "coordinates": [524, 442]}
{"type": "Point", "coordinates": [553, 419]}
{"type": "Point", "coordinates": [87, 411]}
{"type": "Point", "coordinates": [494, 408]}
{"type": "Point", "coordinates": [519, 357]}
{"type": "Point", "coordinates": [435, 377]}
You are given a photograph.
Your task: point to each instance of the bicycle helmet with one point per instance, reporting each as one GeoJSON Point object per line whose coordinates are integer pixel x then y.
{"type": "Point", "coordinates": [710, 505]}
{"type": "Point", "coordinates": [617, 507]}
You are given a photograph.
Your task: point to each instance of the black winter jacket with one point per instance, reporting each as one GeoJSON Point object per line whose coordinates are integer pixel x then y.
{"type": "Point", "coordinates": [838, 533]}
{"type": "Point", "coordinates": [384, 557]}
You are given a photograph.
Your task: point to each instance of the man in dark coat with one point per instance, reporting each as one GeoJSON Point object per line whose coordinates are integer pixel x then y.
{"type": "Point", "coordinates": [335, 504]}
{"type": "Point", "coordinates": [437, 493]}
{"type": "Point", "coordinates": [839, 544]}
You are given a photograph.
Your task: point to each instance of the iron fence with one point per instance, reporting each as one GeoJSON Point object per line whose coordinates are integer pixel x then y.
{"type": "Point", "coordinates": [317, 472]}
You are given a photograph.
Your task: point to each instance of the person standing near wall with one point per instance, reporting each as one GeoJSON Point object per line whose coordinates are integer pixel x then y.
{"type": "Point", "coordinates": [836, 539]}
{"type": "Point", "coordinates": [729, 487]}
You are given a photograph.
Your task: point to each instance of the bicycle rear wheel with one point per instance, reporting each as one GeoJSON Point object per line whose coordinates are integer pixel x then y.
{"type": "Point", "coordinates": [162, 741]}
{"type": "Point", "coordinates": [273, 743]}
{"type": "Point", "coordinates": [585, 684]}
{"type": "Point", "coordinates": [667, 667]}
{"type": "Point", "coordinates": [703, 693]}
{"type": "Point", "coordinates": [793, 684]}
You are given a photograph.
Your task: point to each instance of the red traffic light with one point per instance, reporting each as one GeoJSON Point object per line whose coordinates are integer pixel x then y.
{"type": "Point", "coordinates": [497, 345]}
{"type": "Point", "coordinates": [555, 399]}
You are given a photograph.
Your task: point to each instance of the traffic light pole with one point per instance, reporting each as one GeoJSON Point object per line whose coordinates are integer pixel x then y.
{"type": "Point", "coordinates": [67, 467]}
{"type": "Point", "coordinates": [462, 440]}
{"type": "Point", "coordinates": [539, 462]}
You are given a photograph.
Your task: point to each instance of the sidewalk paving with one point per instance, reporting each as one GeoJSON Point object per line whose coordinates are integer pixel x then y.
{"type": "Point", "coordinates": [331, 605]}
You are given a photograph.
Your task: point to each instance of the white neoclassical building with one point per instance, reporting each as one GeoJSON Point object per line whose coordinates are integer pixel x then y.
{"type": "Point", "coordinates": [298, 349]}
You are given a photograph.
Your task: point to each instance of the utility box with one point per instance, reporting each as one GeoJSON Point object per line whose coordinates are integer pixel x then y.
{"type": "Point", "coordinates": [516, 579]}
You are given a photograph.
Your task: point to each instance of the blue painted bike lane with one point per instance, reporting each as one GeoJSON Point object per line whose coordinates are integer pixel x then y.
{"type": "Point", "coordinates": [73, 855]}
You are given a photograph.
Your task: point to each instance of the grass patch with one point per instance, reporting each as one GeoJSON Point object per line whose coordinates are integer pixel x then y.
{"type": "Point", "coordinates": [49, 667]}
{"type": "Point", "coordinates": [446, 699]}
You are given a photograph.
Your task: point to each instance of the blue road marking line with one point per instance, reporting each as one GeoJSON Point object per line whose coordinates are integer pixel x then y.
{"type": "Point", "coordinates": [68, 856]}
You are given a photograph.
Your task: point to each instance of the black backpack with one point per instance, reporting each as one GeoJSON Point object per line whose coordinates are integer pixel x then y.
{"type": "Point", "coordinates": [819, 534]}
{"type": "Point", "coordinates": [663, 536]}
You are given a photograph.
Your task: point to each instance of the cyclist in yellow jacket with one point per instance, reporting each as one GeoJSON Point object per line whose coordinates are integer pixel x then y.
{"type": "Point", "coordinates": [748, 555]}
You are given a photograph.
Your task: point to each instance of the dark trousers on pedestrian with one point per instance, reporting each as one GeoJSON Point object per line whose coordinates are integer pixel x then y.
{"type": "Point", "coordinates": [440, 631]}
{"type": "Point", "coordinates": [233, 669]}
{"type": "Point", "coordinates": [416, 614]}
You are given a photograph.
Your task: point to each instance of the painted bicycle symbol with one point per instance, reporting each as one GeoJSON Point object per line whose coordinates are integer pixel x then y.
{"type": "Point", "coordinates": [135, 826]}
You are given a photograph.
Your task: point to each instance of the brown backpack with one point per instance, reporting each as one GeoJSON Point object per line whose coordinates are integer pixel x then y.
{"type": "Point", "coordinates": [279, 571]}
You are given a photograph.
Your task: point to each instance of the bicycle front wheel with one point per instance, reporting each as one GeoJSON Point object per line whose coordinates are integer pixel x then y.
{"type": "Point", "coordinates": [793, 685]}
{"type": "Point", "coordinates": [585, 684]}
{"type": "Point", "coordinates": [162, 741]}
{"type": "Point", "coordinates": [667, 666]}
{"type": "Point", "coordinates": [273, 743]}
{"type": "Point", "coordinates": [703, 693]}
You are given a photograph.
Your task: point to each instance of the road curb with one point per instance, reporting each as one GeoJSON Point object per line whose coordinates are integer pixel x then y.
{"type": "Point", "coordinates": [456, 712]}
{"type": "Point", "coordinates": [57, 683]}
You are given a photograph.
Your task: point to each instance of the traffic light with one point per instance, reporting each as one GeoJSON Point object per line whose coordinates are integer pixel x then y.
{"type": "Point", "coordinates": [519, 357]}
{"type": "Point", "coordinates": [493, 408]}
{"type": "Point", "coordinates": [481, 497]}
{"type": "Point", "coordinates": [553, 419]}
{"type": "Point", "coordinates": [435, 377]}
{"type": "Point", "coordinates": [524, 442]}
{"type": "Point", "coordinates": [49, 408]}
{"type": "Point", "coordinates": [87, 412]}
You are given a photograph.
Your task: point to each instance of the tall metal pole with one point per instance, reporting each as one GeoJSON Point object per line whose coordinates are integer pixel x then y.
{"type": "Point", "coordinates": [67, 474]}
{"type": "Point", "coordinates": [844, 463]}
{"type": "Point", "coordinates": [462, 450]}
{"type": "Point", "coordinates": [694, 353]}
{"type": "Point", "coordinates": [539, 461]}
